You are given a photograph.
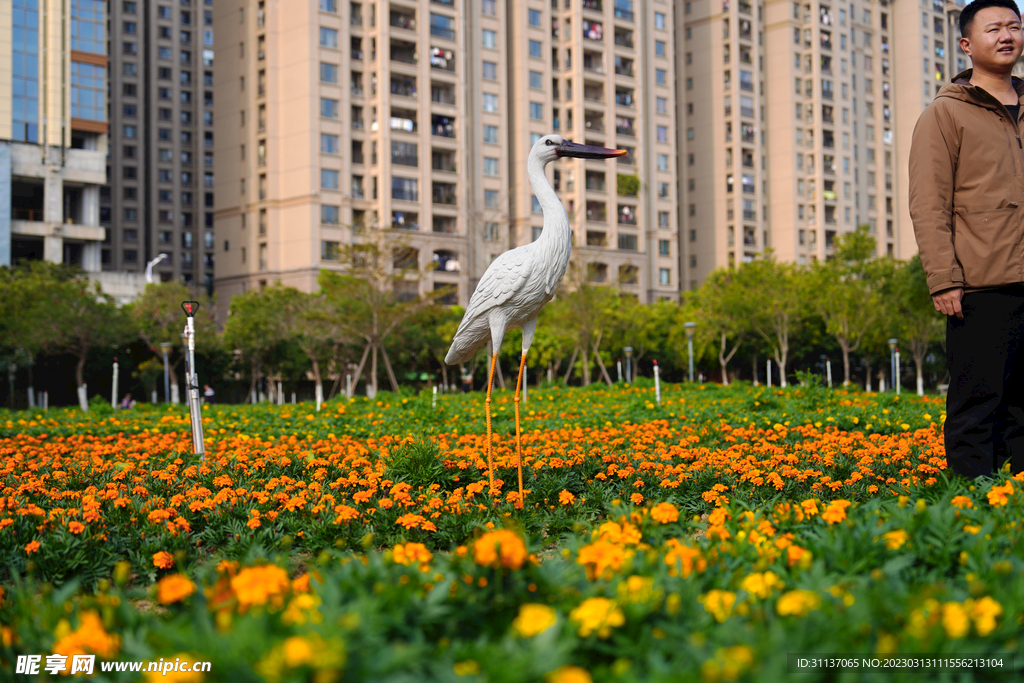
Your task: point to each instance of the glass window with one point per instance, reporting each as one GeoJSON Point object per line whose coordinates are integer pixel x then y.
{"type": "Point", "coordinates": [536, 79]}
{"type": "Point", "coordinates": [490, 39]}
{"type": "Point", "coordinates": [328, 37]}
{"type": "Point", "coordinates": [661, 105]}
{"type": "Point", "coordinates": [491, 134]}
{"type": "Point", "coordinates": [328, 73]}
{"type": "Point", "coordinates": [88, 25]}
{"type": "Point", "coordinates": [660, 77]}
{"type": "Point", "coordinates": [88, 91]}
{"type": "Point", "coordinates": [536, 110]}
{"type": "Point", "coordinates": [330, 214]}
{"type": "Point", "coordinates": [490, 166]}
{"type": "Point", "coordinates": [490, 102]}
{"type": "Point", "coordinates": [491, 199]}
{"type": "Point", "coordinates": [659, 48]}
{"type": "Point", "coordinates": [664, 276]}
{"type": "Point", "coordinates": [490, 71]}
{"type": "Point", "coordinates": [328, 143]}
{"type": "Point", "coordinates": [534, 17]}
{"type": "Point", "coordinates": [328, 108]}
{"type": "Point", "coordinates": [489, 8]}
{"type": "Point", "coordinates": [329, 179]}
{"type": "Point", "coordinates": [535, 49]}
{"type": "Point", "coordinates": [329, 250]}
{"type": "Point", "coordinates": [659, 20]}
{"type": "Point", "coordinates": [26, 71]}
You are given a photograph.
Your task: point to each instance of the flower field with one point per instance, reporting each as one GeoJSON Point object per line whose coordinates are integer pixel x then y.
{"type": "Point", "coordinates": [703, 538]}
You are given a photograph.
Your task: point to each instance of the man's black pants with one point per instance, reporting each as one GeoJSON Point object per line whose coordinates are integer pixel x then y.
{"type": "Point", "coordinates": [985, 404]}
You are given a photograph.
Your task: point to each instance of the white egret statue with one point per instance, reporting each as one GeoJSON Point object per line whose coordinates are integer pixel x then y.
{"type": "Point", "coordinates": [518, 283]}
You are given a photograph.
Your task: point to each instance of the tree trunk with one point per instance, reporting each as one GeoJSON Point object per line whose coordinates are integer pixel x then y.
{"type": "Point", "coordinates": [371, 390]}
{"type": "Point", "coordinates": [387, 366]}
{"type": "Point", "coordinates": [867, 376]}
{"type": "Point", "coordinates": [600, 364]}
{"type": "Point", "coordinates": [586, 367]}
{"type": "Point", "coordinates": [572, 363]}
{"type": "Point", "coordinates": [359, 369]}
{"type": "Point", "coordinates": [919, 362]}
{"type": "Point", "coordinates": [251, 396]}
{"type": "Point", "coordinates": [80, 370]}
{"type": "Point", "coordinates": [846, 362]}
{"type": "Point", "coordinates": [756, 369]}
{"type": "Point", "coordinates": [780, 359]}
{"type": "Point", "coordinates": [444, 376]}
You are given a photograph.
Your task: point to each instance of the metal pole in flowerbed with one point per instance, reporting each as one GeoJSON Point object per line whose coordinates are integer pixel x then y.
{"type": "Point", "coordinates": [192, 379]}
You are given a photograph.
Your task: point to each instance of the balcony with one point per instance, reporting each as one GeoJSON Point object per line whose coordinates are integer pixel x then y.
{"type": "Point", "coordinates": [597, 212]}
{"type": "Point", "coordinates": [623, 38]}
{"type": "Point", "coordinates": [442, 93]}
{"type": "Point", "coordinates": [594, 124]}
{"type": "Point", "coordinates": [405, 220]}
{"type": "Point", "coordinates": [442, 32]}
{"type": "Point", "coordinates": [625, 127]}
{"type": "Point", "coordinates": [403, 52]}
{"type": "Point", "coordinates": [405, 194]}
{"type": "Point", "coordinates": [442, 58]}
{"type": "Point", "coordinates": [444, 193]}
{"type": "Point", "coordinates": [623, 67]}
{"type": "Point", "coordinates": [446, 3]}
{"type": "Point", "coordinates": [624, 9]}
{"type": "Point", "coordinates": [442, 126]}
{"type": "Point", "coordinates": [597, 239]}
{"type": "Point", "coordinates": [446, 225]}
{"type": "Point", "coordinates": [594, 5]}
{"type": "Point", "coordinates": [402, 20]}
{"type": "Point", "coordinates": [405, 159]}
{"type": "Point", "coordinates": [627, 215]}
{"type": "Point", "coordinates": [593, 61]}
{"type": "Point", "coordinates": [403, 87]}
{"type": "Point", "coordinates": [593, 92]}
{"type": "Point", "coordinates": [593, 30]}
{"type": "Point", "coordinates": [443, 161]}
{"type": "Point", "coordinates": [595, 182]}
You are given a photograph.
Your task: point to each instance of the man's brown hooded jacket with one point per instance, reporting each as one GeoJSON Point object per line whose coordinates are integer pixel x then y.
{"type": "Point", "coordinates": [967, 189]}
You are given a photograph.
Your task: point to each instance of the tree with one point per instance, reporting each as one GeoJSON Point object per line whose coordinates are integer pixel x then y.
{"type": "Point", "coordinates": [846, 292]}
{"type": "Point", "coordinates": [252, 331]}
{"type": "Point", "coordinates": [779, 302]}
{"type": "Point", "coordinates": [918, 323]}
{"type": "Point", "coordinates": [157, 318]}
{"type": "Point", "coordinates": [724, 311]}
{"type": "Point", "coordinates": [374, 296]}
{"type": "Point", "coordinates": [64, 312]}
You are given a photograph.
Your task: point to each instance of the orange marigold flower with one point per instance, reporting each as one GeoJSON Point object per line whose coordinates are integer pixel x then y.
{"type": "Point", "coordinates": [31, 547]}
{"type": "Point", "coordinates": [998, 496]}
{"type": "Point", "coordinates": [163, 560]}
{"type": "Point", "coordinates": [174, 588]}
{"type": "Point", "coordinates": [411, 553]}
{"type": "Point", "coordinates": [600, 556]}
{"type": "Point", "coordinates": [411, 521]}
{"type": "Point", "coordinates": [836, 511]}
{"type": "Point", "coordinates": [810, 507]}
{"type": "Point", "coordinates": [636, 498]}
{"type": "Point", "coordinates": [686, 557]}
{"type": "Point", "coordinates": [664, 513]}
{"type": "Point", "coordinates": [89, 638]}
{"type": "Point", "coordinates": [76, 527]}
{"type": "Point", "coordinates": [500, 548]}
{"type": "Point", "coordinates": [598, 615]}
{"type": "Point", "coordinates": [258, 585]}
{"type": "Point", "coordinates": [569, 674]}
{"type": "Point", "coordinates": [961, 502]}
{"type": "Point", "coordinates": [566, 498]}
{"type": "Point", "coordinates": [533, 619]}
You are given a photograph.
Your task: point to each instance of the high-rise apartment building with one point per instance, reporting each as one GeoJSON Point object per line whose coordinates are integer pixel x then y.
{"type": "Point", "coordinates": [325, 125]}
{"type": "Point", "coordinates": [798, 119]}
{"type": "Point", "coordinates": [160, 195]}
{"type": "Point", "coordinates": [53, 130]}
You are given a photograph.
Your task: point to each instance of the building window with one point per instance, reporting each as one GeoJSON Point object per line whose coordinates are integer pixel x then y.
{"type": "Point", "coordinates": [663, 219]}
{"type": "Point", "coordinates": [329, 179]}
{"type": "Point", "coordinates": [659, 20]}
{"type": "Point", "coordinates": [536, 49]}
{"type": "Point", "coordinates": [328, 108]}
{"type": "Point", "coordinates": [328, 143]}
{"type": "Point", "coordinates": [664, 276]}
{"type": "Point", "coordinates": [328, 37]}
{"type": "Point", "coordinates": [490, 39]}
{"type": "Point", "coordinates": [536, 80]}
{"type": "Point", "coordinates": [88, 25]}
{"type": "Point", "coordinates": [329, 251]}
{"type": "Point", "coordinates": [660, 77]}
{"type": "Point", "coordinates": [490, 71]}
{"type": "Point", "coordinates": [328, 73]}
{"type": "Point", "coordinates": [490, 102]}
{"type": "Point", "coordinates": [491, 134]}
{"type": "Point", "coordinates": [491, 199]}
{"type": "Point", "coordinates": [330, 215]}
{"type": "Point", "coordinates": [490, 166]}
{"type": "Point", "coordinates": [536, 111]}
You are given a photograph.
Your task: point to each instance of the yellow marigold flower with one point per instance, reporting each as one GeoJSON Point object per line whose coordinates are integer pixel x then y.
{"type": "Point", "coordinates": [599, 556]}
{"type": "Point", "coordinates": [972, 529]}
{"type": "Point", "coordinates": [954, 620]}
{"type": "Point", "coordinates": [569, 674]}
{"type": "Point", "coordinates": [718, 603]}
{"type": "Point", "coordinates": [466, 668]}
{"type": "Point", "coordinates": [566, 498]}
{"type": "Point", "coordinates": [984, 612]}
{"type": "Point", "coordinates": [500, 548]}
{"type": "Point", "coordinates": [998, 496]}
{"type": "Point", "coordinates": [797, 603]}
{"type": "Point", "coordinates": [533, 619]}
{"type": "Point", "coordinates": [258, 585]}
{"type": "Point", "coordinates": [163, 560]}
{"type": "Point", "coordinates": [296, 651]}
{"type": "Point", "coordinates": [836, 511]}
{"type": "Point", "coordinates": [761, 584]}
{"type": "Point", "coordinates": [174, 588]}
{"type": "Point", "coordinates": [718, 516]}
{"type": "Point", "coordinates": [89, 638]}
{"type": "Point", "coordinates": [638, 589]}
{"type": "Point", "coordinates": [961, 502]}
{"type": "Point", "coordinates": [664, 513]}
{"type": "Point", "coordinates": [411, 553]}
{"type": "Point", "coordinates": [176, 676]}
{"type": "Point", "coordinates": [598, 615]}
{"type": "Point", "coordinates": [624, 534]}
{"type": "Point", "coordinates": [895, 539]}
{"type": "Point", "coordinates": [302, 608]}
{"type": "Point", "coordinates": [810, 507]}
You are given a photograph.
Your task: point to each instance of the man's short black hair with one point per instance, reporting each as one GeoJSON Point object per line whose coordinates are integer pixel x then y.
{"type": "Point", "coordinates": [967, 15]}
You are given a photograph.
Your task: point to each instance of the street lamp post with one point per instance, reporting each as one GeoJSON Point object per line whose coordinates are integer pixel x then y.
{"type": "Point", "coordinates": [165, 348]}
{"type": "Point", "coordinates": [629, 364]}
{"type": "Point", "coordinates": [690, 329]}
{"type": "Point", "coordinates": [892, 361]}
{"type": "Point", "coordinates": [149, 266]}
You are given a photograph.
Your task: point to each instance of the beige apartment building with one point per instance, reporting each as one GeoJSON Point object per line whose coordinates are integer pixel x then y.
{"type": "Point", "coordinates": [160, 196]}
{"type": "Point", "coordinates": [53, 130]}
{"type": "Point", "coordinates": [795, 124]}
{"type": "Point", "coordinates": [419, 115]}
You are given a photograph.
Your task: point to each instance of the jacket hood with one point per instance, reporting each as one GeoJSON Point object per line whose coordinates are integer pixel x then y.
{"type": "Point", "coordinates": [960, 88]}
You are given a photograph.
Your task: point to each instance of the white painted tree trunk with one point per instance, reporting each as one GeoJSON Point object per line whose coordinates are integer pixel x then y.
{"type": "Point", "coordinates": [83, 402]}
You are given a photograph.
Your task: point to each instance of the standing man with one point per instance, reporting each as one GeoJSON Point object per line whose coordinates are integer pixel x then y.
{"type": "Point", "coordinates": [967, 205]}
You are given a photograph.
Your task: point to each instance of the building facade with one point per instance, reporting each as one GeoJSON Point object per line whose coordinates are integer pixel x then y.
{"type": "Point", "coordinates": [419, 115]}
{"type": "Point", "coordinates": [53, 130]}
{"type": "Point", "coordinates": [160, 195]}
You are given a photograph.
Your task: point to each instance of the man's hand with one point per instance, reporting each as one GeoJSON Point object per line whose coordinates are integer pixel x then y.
{"type": "Point", "coordinates": [948, 302]}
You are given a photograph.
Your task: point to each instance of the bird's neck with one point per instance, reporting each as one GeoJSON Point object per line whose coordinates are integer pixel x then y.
{"type": "Point", "coordinates": [556, 233]}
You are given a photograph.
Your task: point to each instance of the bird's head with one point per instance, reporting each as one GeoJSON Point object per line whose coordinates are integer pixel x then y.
{"type": "Point", "coordinates": [551, 147]}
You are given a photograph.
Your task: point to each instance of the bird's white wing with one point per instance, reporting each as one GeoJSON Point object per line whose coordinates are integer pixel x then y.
{"type": "Point", "coordinates": [506, 276]}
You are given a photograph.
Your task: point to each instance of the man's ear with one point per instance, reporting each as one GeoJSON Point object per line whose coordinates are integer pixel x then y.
{"type": "Point", "coordinates": [965, 45]}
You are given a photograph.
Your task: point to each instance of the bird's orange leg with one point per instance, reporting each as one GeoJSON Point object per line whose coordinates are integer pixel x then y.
{"type": "Point", "coordinates": [487, 403]}
{"type": "Point", "coordinates": [519, 432]}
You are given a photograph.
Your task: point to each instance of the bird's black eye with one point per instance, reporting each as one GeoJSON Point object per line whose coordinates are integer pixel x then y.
{"type": "Point", "coordinates": [548, 142]}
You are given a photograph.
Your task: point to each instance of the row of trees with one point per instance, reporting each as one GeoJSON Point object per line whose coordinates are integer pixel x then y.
{"type": "Point", "coordinates": [367, 319]}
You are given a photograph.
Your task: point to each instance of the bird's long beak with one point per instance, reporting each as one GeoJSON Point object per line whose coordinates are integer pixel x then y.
{"type": "Point", "coordinates": [572, 149]}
